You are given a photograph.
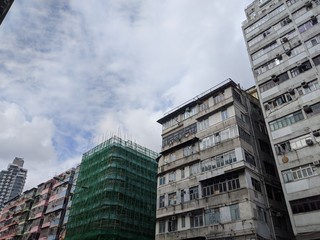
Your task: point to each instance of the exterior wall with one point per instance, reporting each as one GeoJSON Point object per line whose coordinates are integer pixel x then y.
{"type": "Point", "coordinates": [285, 34]}
{"type": "Point", "coordinates": [205, 175]}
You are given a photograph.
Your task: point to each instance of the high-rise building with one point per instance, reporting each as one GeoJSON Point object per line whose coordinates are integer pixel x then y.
{"type": "Point", "coordinates": [217, 177]}
{"type": "Point", "coordinates": [4, 8]}
{"type": "Point", "coordinates": [12, 180]}
{"type": "Point", "coordinates": [283, 39]}
{"type": "Point", "coordinates": [39, 213]}
{"type": "Point", "coordinates": [115, 194]}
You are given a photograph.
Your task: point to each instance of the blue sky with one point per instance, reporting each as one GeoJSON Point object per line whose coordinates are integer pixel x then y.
{"type": "Point", "coordinates": [73, 73]}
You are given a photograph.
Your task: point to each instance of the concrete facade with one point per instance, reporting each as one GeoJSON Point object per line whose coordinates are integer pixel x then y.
{"type": "Point", "coordinates": [283, 39]}
{"type": "Point", "coordinates": [12, 180]}
{"type": "Point", "coordinates": [216, 176]}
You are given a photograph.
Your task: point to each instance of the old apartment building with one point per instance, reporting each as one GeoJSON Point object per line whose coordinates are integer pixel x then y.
{"type": "Point", "coordinates": [283, 39]}
{"type": "Point", "coordinates": [216, 177]}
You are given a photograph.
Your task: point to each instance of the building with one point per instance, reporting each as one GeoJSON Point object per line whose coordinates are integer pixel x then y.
{"type": "Point", "coordinates": [12, 180]}
{"type": "Point", "coordinates": [216, 176]}
{"type": "Point", "coordinates": [118, 201]}
{"type": "Point", "coordinates": [39, 213]}
{"type": "Point", "coordinates": [4, 8]}
{"type": "Point", "coordinates": [15, 214]}
{"type": "Point", "coordinates": [282, 39]}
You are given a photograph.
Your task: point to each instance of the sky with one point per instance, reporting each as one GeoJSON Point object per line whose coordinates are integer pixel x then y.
{"type": "Point", "coordinates": [73, 73]}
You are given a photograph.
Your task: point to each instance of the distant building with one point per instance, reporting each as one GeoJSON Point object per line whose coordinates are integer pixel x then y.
{"type": "Point", "coordinates": [115, 194]}
{"type": "Point", "coordinates": [283, 43]}
{"type": "Point", "coordinates": [12, 180]}
{"type": "Point", "coordinates": [39, 213]}
{"type": "Point", "coordinates": [217, 177]}
{"type": "Point", "coordinates": [4, 8]}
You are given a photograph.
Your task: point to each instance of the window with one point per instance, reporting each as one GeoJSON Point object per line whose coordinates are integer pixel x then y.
{"type": "Point", "coordinates": [249, 158]}
{"type": "Point", "coordinates": [300, 69]}
{"type": "Point", "coordinates": [291, 2]}
{"type": "Point", "coordinates": [313, 41]}
{"type": "Point", "coordinates": [172, 225]}
{"type": "Point", "coordinates": [308, 204]}
{"type": "Point", "coordinates": [190, 112]}
{"type": "Point", "coordinates": [299, 142]}
{"type": "Point", "coordinates": [194, 169]}
{"type": "Point", "coordinates": [161, 201]}
{"type": "Point", "coordinates": [182, 170]}
{"type": "Point", "coordinates": [183, 221]}
{"type": "Point", "coordinates": [187, 151]}
{"type": "Point", "coordinates": [224, 114]}
{"type": "Point", "coordinates": [162, 180]}
{"type": "Point", "coordinates": [306, 26]}
{"type": "Point", "coordinates": [204, 106]}
{"type": "Point", "coordinates": [270, 84]}
{"type": "Point", "coordinates": [256, 184]}
{"type": "Point", "coordinates": [235, 212]}
{"type": "Point", "coordinates": [170, 123]}
{"type": "Point", "coordinates": [220, 184]}
{"type": "Point", "coordinates": [194, 192]}
{"type": "Point", "coordinates": [182, 193]}
{"type": "Point", "coordinates": [162, 226]}
{"type": "Point", "coordinates": [196, 220]}
{"type": "Point", "coordinates": [296, 174]}
{"type": "Point", "coordinates": [218, 161]}
{"type": "Point", "coordinates": [265, 18]}
{"type": "Point", "coordinates": [212, 216]}
{"type": "Point", "coordinates": [268, 66]}
{"type": "Point", "coordinates": [218, 98]}
{"type": "Point", "coordinates": [280, 100]}
{"type": "Point", "coordinates": [264, 50]}
{"type": "Point", "coordinates": [203, 124]}
{"type": "Point", "coordinates": [286, 121]}
{"type": "Point", "coordinates": [172, 199]}
{"type": "Point", "coordinates": [244, 135]}
{"type": "Point", "coordinates": [283, 148]}
{"type": "Point", "coordinates": [172, 176]}
{"type": "Point", "coordinates": [177, 136]}
{"type": "Point", "coordinates": [309, 87]}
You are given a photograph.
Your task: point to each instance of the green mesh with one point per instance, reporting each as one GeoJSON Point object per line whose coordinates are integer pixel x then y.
{"type": "Point", "coordinates": [120, 199]}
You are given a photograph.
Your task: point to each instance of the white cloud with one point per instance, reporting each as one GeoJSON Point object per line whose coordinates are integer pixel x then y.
{"type": "Point", "coordinates": [71, 70]}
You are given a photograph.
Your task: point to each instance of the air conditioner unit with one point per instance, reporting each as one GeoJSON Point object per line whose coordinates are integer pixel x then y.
{"type": "Point", "coordinates": [309, 142]}
{"type": "Point", "coordinates": [308, 4]}
{"type": "Point", "coordinates": [307, 109]}
{"type": "Point", "coordinates": [189, 214]}
{"type": "Point", "coordinates": [316, 163]}
{"type": "Point", "coordinates": [284, 39]}
{"type": "Point", "coordinates": [279, 56]}
{"type": "Point", "coordinates": [304, 84]}
{"type": "Point", "coordinates": [288, 52]}
{"type": "Point", "coordinates": [316, 133]}
{"type": "Point", "coordinates": [291, 91]}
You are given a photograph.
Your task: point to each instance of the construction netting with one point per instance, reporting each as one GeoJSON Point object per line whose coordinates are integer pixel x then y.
{"type": "Point", "coordinates": [115, 196]}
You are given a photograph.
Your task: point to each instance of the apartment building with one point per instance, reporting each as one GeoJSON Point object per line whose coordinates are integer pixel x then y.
{"type": "Point", "coordinates": [15, 214]}
{"type": "Point", "coordinates": [217, 177]}
{"type": "Point", "coordinates": [4, 8]}
{"type": "Point", "coordinates": [12, 180]}
{"type": "Point", "coordinates": [282, 39]}
{"type": "Point", "coordinates": [39, 213]}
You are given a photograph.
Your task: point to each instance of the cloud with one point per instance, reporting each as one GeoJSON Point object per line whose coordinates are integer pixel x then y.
{"type": "Point", "coordinates": [73, 70]}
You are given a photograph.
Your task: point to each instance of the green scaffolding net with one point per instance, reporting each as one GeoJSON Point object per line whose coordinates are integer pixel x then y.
{"type": "Point", "coordinates": [115, 196]}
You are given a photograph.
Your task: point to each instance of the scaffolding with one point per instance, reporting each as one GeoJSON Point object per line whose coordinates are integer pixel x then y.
{"type": "Point", "coordinates": [115, 197]}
